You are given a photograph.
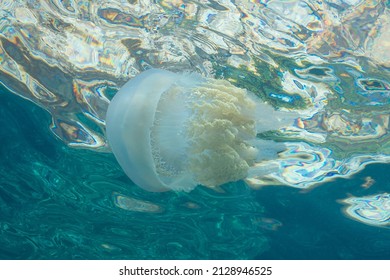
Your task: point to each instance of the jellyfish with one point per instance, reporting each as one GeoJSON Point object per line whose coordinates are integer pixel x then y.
{"type": "Point", "coordinates": [174, 131]}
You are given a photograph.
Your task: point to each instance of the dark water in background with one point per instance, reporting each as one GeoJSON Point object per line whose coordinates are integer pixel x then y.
{"type": "Point", "coordinates": [62, 203]}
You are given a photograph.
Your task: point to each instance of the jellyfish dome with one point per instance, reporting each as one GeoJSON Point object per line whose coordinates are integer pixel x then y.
{"type": "Point", "coordinates": [172, 131]}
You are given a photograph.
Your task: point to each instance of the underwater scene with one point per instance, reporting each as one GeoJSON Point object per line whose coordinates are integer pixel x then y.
{"type": "Point", "coordinates": [194, 129]}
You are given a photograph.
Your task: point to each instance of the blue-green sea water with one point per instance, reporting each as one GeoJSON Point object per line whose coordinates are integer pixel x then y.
{"type": "Point", "coordinates": [60, 203]}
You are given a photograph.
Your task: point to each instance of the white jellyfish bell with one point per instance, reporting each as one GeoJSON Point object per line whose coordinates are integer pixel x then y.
{"type": "Point", "coordinates": [172, 131]}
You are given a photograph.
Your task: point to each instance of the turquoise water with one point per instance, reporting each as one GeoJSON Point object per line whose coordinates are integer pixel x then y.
{"type": "Point", "coordinates": [325, 195]}
{"type": "Point", "coordinates": [61, 203]}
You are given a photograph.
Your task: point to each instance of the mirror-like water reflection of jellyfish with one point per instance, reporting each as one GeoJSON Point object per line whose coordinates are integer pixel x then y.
{"type": "Point", "coordinates": [372, 210]}
{"type": "Point", "coordinates": [174, 131]}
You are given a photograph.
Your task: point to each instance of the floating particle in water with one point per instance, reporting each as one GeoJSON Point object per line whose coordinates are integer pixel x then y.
{"type": "Point", "coordinates": [132, 204]}
{"type": "Point", "coordinates": [368, 182]}
{"type": "Point", "coordinates": [372, 210]}
{"type": "Point", "coordinates": [267, 223]}
{"type": "Point", "coordinates": [110, 248]}
{"type": "Point", "coordinates": [191, 205]}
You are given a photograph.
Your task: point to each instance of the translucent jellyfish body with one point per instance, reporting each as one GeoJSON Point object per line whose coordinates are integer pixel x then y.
{"type": "Point", "coordinates": [173, 131]}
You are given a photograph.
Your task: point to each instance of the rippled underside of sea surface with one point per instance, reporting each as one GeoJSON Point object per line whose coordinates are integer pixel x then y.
{"type": "Point", "coordinates": [63, 195]}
